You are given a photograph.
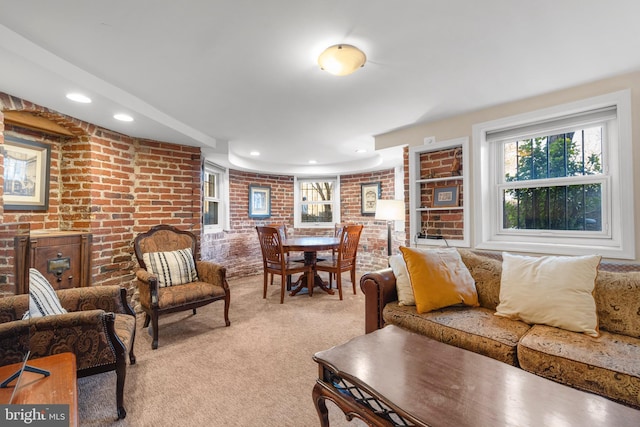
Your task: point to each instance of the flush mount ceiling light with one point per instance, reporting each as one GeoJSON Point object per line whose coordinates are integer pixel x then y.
{"type": "Point", "coordinates": [341, 59]}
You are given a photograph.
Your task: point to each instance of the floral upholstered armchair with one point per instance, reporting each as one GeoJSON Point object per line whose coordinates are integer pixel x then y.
{"type": "Point", "coordinates": [98, 327]}
{"type": "Point", "coordinates": [170, 279]}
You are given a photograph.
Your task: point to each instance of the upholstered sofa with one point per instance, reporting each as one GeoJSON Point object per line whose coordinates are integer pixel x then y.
{"type": "Point", "coordinates": [608, 365]}
{"type": "Point", "coordinates": [99, 328]}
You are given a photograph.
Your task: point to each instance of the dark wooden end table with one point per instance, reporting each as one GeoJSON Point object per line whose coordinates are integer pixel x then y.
{"type": "Point", "coordinates": [392, 377]}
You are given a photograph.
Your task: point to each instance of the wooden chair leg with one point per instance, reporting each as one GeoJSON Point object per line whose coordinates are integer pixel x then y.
{"type": "Point", "coordinates": [154, 325]}
{"type": "Point", "coordinates": [339, 283]}
{"type": "Point", "coordinates": [227, 302]}
{"type": "Point", "coordinates": [132, 356]}
{"type": "Point", "coordinates": [264, 292]}
{"type": "Point", "coordinates": [282, 286]}
{"type": "Point", "coordinates": [121, 374]}
{"type": "Point", "coordinates": [147, 319]}
{"type": "Point", "coordinates": [353, 280]}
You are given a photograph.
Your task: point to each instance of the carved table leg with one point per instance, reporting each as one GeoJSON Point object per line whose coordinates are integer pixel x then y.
{"type": "Point", "coordinates": [321, 405]}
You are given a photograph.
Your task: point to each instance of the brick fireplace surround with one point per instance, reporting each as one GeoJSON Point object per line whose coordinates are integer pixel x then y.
{"type": "Point", "coordinates": [116, 186]}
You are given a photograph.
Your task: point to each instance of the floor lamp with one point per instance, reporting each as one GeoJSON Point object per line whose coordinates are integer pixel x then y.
{"type": "Point", "coordinates": [390, 210]}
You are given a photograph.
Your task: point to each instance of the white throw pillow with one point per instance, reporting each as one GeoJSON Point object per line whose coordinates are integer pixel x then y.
{"type": "Point", "coordinates": [171, 268]}
{"type": "Point", "coordinates": [550, 290]}
{"type": "Point", "coordinates": [403, 283]}
{"type": "Point", "coordinates": [43, 300]}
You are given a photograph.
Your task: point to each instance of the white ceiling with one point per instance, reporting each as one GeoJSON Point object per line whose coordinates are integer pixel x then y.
{"type": "Point", "coordinates": [239, 75]}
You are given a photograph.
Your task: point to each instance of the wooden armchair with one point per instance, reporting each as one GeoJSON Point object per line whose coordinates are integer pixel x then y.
{"type": "Point", "coordinates": [171, 280]}
{"type": "Point", "coordinates": [99, 329]}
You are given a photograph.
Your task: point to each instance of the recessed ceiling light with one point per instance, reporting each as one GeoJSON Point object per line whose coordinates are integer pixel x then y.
{"type": "Point", "coordinates": [254, 153]}
{"type": "Point", "coordinates": [313, 162]}
{"type": "Point", "coordinates": [123, 117]}
{"type": "Point", "coordinates": [361, 150]}
{"type": "Point", "coordinates": [78, 97]}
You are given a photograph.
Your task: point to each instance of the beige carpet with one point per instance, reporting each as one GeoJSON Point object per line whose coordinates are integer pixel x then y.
{"type": "Point", "coordinates": [257, 372]}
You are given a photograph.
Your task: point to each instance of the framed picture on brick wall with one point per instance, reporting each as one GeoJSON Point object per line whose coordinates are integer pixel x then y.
{"type": "Point", "coordinates": [26, 174]}
{"type": "Point", "coordinates": [259, 201]}
{"type": "Point", "coordinates": [369, 194]}
{"type": "Point", "coordinates": [445, 197]}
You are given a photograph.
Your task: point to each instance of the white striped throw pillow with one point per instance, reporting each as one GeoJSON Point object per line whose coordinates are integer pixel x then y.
{"type": "Point", "coordinates": [43, 300]}
{"type": "Point", "coordinates": [171, 268]}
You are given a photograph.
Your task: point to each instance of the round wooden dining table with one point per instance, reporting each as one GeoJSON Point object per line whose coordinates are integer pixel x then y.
{"type": "Point", "coordinates": [310, 245]}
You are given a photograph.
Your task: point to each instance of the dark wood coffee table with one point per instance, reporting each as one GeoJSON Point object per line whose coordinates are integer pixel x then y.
{"type": "Point", "coordinates": [58, 388]}
{"type": "Point", "coordinates": [394, 377]}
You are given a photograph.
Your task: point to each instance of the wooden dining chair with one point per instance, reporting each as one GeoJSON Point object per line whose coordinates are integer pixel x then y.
{"type": "Point", "coordinates": [345, 258]}
{"type": "Point", "coordinates": [275, 261]}
{"type": "Point", "coordinates": [282, 229]}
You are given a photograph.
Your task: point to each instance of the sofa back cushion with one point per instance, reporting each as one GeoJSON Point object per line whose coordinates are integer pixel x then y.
{"type": "Point", "coordinates": [486, 272]}
{"type": "Point", "coordinates": [617, 298]}
{"type": "Point", "coordinates": [550, 290]}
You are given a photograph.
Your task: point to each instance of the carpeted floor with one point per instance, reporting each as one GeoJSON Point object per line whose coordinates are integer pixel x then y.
{"type": "Point", "coordinates": [257, 372]}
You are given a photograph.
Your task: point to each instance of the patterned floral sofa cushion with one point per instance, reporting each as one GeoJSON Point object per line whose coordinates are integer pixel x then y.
{"type": "Point", "coordinates": [487, 272]}
{"type": "Point", "coordinates": [474, 329]}
{"type": "Point", "coordinates": [608, 365]}
{"type": "Point", "coordinates": [617, 302]}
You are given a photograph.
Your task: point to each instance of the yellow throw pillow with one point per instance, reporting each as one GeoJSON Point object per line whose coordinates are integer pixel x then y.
{"type": "Point", "coordinates": [439, 278]}
{"type": "Point", "coordinates": [550, 290]}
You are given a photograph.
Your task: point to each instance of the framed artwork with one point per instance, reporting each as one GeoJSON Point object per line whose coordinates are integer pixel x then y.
{"type": "Point", "coordinates": [259, 201]}
{"type": "Point", "coordinates": [26, 174]}
{"type": "Point", "coordinates": [369, 193]}
{"type": "Point", "coordinates": [445, 197]}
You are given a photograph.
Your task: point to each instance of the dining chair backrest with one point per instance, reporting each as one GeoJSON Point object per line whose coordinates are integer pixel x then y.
{"type": "Point", "coordinates": [282, 229]}
{"type": "Point", "coordinates": [348, 248]}
{"type": "Point", "coordinates": [271, 245]}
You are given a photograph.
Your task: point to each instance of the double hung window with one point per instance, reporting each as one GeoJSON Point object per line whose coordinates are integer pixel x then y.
{"type": "Point", "coordinates": [557, 180]}
{"type": "Point", "coordinates": [214, 206]}
{"type": "Point", "coordinates": [316, 202]}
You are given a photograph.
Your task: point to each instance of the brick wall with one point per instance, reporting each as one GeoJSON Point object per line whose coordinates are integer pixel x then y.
{"type": "Point", "coordinates": [239, 250]}
{"type": "Point", "coordinates": [448, 223]}
{"type": "Point", "coordinates": [111, 185]}
{"type": "Point", "coordinates": [115, 187]}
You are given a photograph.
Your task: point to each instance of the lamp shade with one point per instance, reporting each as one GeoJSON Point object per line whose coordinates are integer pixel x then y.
{"type": "Point", "coordinates": [341, 59]}
{"type": "Point", "coordinates": [390, 210]}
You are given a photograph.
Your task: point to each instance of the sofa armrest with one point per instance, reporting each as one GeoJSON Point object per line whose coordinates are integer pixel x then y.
{"type": "Point", "coordinates": [112, 298]}
{"type": "Point", "coordinates": [213, 273]}
{"type": "Point", "coordinates": [14, 342]}
{"type": "Point", "coordinates": [87, 334]}
{"type": "Point", "coordinates": [147, 288]}
{"type": "Point", "coordinates": [379, 288]}
{"type": "Point", "coordinates": [13, 307]}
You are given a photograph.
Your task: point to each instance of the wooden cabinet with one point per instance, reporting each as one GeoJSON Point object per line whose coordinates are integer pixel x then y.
{"type": "Point", "coordinates": [438, 193]}
{"type": "Point", "coordinates": [63, 257]}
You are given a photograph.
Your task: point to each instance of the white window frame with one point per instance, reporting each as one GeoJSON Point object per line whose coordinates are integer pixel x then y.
{"type": "Point", "coordinates": [618, 237]}
{"type": "Point", "coordinates": [222, 199]}
{"type": "Point", "coordinates": [297, 206]}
